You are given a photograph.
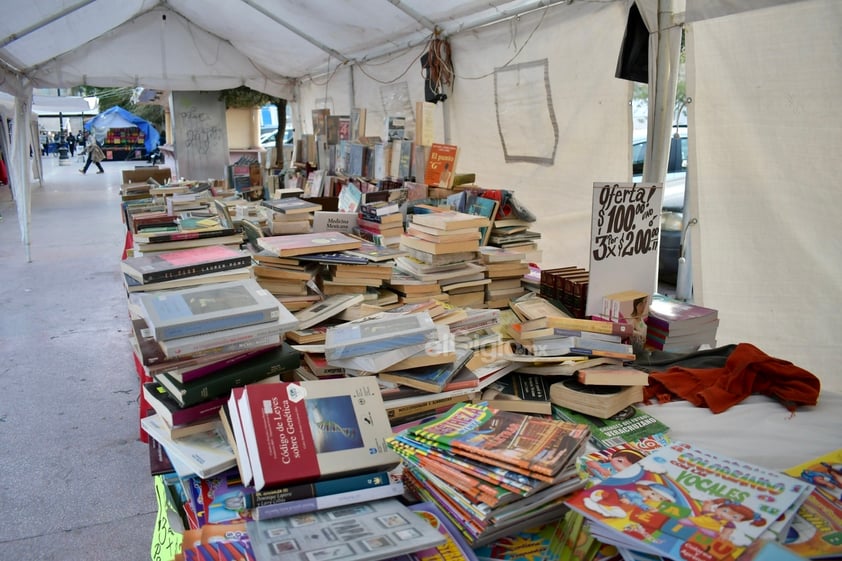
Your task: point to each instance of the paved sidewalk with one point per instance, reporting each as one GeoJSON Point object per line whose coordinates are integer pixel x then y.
{"type": "Point", "coordinates": [74, 476]}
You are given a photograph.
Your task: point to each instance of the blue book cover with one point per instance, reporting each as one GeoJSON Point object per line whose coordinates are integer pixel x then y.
{"type": "Point", "coordinates": [430, 378]}
{"type": "Point", "coordinates": [207, 308]}
{"type": "Point", "coordinates": [385, 333]}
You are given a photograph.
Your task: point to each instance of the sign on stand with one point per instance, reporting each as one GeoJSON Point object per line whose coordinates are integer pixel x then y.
{"type": "Point", "coordinates": [625, 233]}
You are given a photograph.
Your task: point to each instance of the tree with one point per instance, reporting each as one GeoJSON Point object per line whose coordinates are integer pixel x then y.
{"type": "Point", "coordinates": [247, 97]}
{"type": "Point", "coordinates": [110, 97]}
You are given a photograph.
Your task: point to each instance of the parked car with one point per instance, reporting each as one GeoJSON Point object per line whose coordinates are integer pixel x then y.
{"type": "Point", "coordinates": [672, 206]}
{"type": "Point", "coordinates": [267, 139]}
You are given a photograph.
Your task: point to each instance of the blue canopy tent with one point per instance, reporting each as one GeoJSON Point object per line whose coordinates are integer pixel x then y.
{"type": "Point", "coordinates": [118, 118]}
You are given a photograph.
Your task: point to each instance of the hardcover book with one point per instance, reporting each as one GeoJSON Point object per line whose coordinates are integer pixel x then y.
{"type": "Point", "coordinates": [674, 317]}
{"type": "Point", "coordinates": [364, 532]}
{"type": "Point", "coordinates": [296, 432]}
{"type": "Point", "coordinates": [687, 503]}
{"type": "Point", "coordinates": [205, 309]}
{"type": "Point", "coordinates": [324, 502]}
{"type": "Point", "coordinates": [274, 363]}
{"type": "Point", "coordinates": [303, 244]}
{"type": "Point", "coordinates": [449, 219]}
{"type": "Point", "coordinates": [523, 393]}
{"type": "Point", "coordinates": [172, 413]}
{"type": "Point", "coordinates": [173, 265]}
{"type": "Point", "coordinates": [613, 376]}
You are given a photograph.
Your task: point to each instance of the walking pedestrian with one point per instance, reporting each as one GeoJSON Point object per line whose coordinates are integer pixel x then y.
{"type": "Point", "coordinates": [95, 155]}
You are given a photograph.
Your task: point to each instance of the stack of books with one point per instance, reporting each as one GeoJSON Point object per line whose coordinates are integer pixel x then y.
{"type": "Point", "coordinates": [504, 268]}
{"type": "Point", "coordinates": [184, 335]}
{"type": "Point", "coordinates": [185, 267]}
{"type": "Point", "coordinates": [287, 278]}
{"type": "Point", "coordinates": [291, 215]}
{"type": "Point", "coordinates": [493, 473]}
{"type": "Point", "coordinates": [443, 232]}
{"type": "Point", "coordinates": [346, 278]}
{"type": "Point", "coordinates": [680, 327]}
{"type": "Point", "coordinates": [380, 223]}
{"type": "Point", "coordinates": [594, 338]}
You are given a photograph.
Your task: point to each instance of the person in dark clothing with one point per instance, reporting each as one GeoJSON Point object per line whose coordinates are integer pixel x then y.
{"type": "Point", "coordinates": [71, 144]}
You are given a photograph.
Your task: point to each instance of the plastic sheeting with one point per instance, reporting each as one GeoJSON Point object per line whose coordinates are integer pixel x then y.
{"type": "Point", "coordinates": [118, 118]}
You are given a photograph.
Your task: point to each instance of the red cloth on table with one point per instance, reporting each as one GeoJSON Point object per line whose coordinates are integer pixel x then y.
{"type": "Point", "coordinates": [747, 371]}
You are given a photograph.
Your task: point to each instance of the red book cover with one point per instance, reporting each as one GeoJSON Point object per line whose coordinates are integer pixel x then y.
{"type": "Point", "coordinates": [297, 432]}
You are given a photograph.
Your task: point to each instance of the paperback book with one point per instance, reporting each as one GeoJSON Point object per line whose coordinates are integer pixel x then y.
{"type": "Point", "coordinates": [172, 265]}
{"type": "Point", "coordinates": [303, 244]}
{"type": "Point", "coordinates": [369, 336]}
{"type": "Point", "coordinates": [597, 401]}
{"type": "Point", "coordinates": [429, 378]}
{"type": "Point", "coordinates": [629, 425]}
{"type": "Point", "coordinates": [204, 454]}
{"type": "Point", "coordinates": [205, 309]}
{"type": "Point", "coordinates": [296, 432]}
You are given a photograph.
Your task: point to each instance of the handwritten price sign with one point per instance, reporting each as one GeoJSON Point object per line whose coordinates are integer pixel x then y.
{"type": "Point", "coordinates": [625, 232]}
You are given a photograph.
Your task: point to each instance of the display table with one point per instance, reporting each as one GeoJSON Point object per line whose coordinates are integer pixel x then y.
{"type": "Point", "coordinates": [759, 429]}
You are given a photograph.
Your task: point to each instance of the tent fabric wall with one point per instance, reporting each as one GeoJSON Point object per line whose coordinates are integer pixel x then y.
{"type": "Point", "coordinates": [764, 170]}
{"type": "Point", "coordinates": [591, 108]}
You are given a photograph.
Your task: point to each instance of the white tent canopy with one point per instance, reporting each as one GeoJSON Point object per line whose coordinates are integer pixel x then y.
{"type": "Point", "coordinates": [762, 85]}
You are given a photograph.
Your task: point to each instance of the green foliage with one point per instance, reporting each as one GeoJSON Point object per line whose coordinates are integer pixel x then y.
{"type": "Point", "coordinates": [245, 97]}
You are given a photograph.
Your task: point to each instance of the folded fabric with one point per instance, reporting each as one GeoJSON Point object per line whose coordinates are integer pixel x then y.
{"type": "Point", "coordinates": [747, 371]}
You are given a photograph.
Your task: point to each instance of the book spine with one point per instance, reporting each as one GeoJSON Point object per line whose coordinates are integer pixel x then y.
{"type": "Point", "coordinates": [599, 352]}
{"type": "Point", "coordinates": [185, 376]}
{"type": "Point", "coordinates": [278, 510]}
{"type": "Point", "coordinates": [216, 324]}
{"type": "Point", "coordinates": [321, 488]}
{"type": "Point", "coordinates": [597, 326]}
{"type": "Point", "coordinates": [243, 344]}
{"type": "Point", "coordinates": [262, 367]}
{"type": "Point", "coordinates": [180, 236]}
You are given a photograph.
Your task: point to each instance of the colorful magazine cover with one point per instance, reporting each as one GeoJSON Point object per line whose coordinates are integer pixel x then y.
{"type": "Point", "coordinates": [687, 503]}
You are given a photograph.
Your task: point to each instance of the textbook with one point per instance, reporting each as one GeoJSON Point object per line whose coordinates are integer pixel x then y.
{"type": "Point", "coordinates": [273, 363]}
{"type": "Point", "coordinates": [598, 401]}
{"type": "Point", "coordinates": [242, 338]}
{"type": "Point", "coordinates": [296, 432]}
{"type": "Point", "coordinates": [172, 265]}
{"type": "Point", "coordinates": [323, 502]}
{"type": "Point", "coordinates": [368, 531]}
{"type": "Point", "coordinates": [687, 503]}
{"type": "Point", "coordinates": [629, 425]}
{"type": "Point", "coordinates": [205, 309]}
{"type": "Point", "coordinates": [303, 244]}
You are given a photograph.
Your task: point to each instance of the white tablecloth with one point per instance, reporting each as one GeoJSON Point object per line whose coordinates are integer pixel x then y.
{"type": "Point", "coordinates": [759, 429]}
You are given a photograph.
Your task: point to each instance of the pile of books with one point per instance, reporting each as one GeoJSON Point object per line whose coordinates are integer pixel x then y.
{"type": "Point", "coordinates": [291, 215]}
{"type": "Point", "coordinates": [504, 268]}
{"type": "Point", "coordinates": [492, 472]}
{"type": "Point", "coordinates": [196, 343]}
{"type": "Point", "coordinates": [680, 327]}
{"type": "Point", "coordinates": [185, 267]}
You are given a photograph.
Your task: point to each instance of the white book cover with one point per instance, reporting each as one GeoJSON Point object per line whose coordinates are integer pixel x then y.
{"type": "Point", "coordinates": [205, 454]}
{"type": "Point", "coordinates": [228, 340]}
{"type": "Point", "coordinates": [384, 333]}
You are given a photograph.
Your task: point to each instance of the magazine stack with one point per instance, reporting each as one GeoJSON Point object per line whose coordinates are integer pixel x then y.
{"type": "Point", "coordinates": [492, 472]}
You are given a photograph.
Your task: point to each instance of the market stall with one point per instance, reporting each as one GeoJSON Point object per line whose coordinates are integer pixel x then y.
{"type": "Point", "coordinates": [123, 135]}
